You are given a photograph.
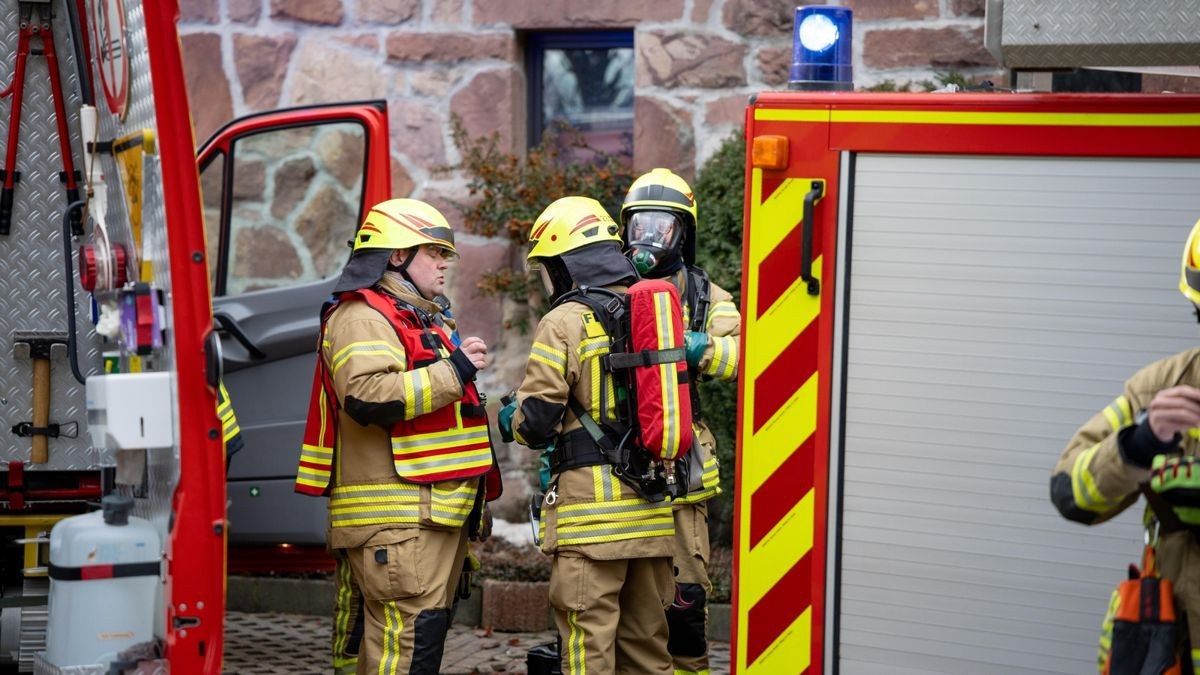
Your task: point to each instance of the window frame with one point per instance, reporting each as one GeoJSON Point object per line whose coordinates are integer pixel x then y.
{"type": "Point", "coordinates": [536, 45]}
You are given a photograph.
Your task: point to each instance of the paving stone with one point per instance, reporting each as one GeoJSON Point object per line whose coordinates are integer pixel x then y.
{"type": "Point", "coordinates": [296, 644]}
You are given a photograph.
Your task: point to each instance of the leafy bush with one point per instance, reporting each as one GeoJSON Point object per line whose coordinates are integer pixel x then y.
{"type": "Point", "coordinates": [720, 573]}
{"type": "Point", "coordinates": [720, 200]}
{"type": "Point", "coordinates": [508, 191]}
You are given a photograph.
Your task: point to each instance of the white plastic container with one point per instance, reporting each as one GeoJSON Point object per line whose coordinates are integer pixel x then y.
{"type": "Point", "coordinates": [95, 617]}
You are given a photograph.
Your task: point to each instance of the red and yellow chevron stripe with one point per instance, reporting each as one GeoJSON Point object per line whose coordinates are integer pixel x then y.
{"type": "Point", "coordinates": [779, 585]}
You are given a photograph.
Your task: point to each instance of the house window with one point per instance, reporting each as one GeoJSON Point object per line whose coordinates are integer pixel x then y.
{"type": "Point", "coordinates": [585, 80]}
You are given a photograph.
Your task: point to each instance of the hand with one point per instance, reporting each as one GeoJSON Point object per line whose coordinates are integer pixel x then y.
{"type": "Point", "coordinates": [504, 421]}
{"type": "Point", "coordinates": [1177, 479]}
{"type": "Point", "coordinates": [1174, 411]}
{"type": "Point", "coordinates": [694, 344]}
{"type": "Point", "coordinates": [476, 350]}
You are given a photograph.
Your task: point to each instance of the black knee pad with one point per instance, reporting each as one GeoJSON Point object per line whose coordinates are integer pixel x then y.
{"type": "Point", "coordinates": [354, 639]}
{"type": "Point", "coordinates": [685, 618]}
{"type": "Point", "coordinates": [429, 639]}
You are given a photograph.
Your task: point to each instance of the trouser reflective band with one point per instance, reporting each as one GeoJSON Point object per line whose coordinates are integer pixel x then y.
{"type": "Point", "coordinates": [93, 572]}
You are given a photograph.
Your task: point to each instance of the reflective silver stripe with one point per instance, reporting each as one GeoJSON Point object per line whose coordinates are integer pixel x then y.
{"type": "Point", "coordinates": [549, 356]}
{"type": "Point", "coordinates": [473, 457]}
{"type": "Point", "coordinates": [623, 508]}
{"type": "Point", "coordinates": [591, 347]}
{"type": "Point", "coordinates": [372, 348]}
{"type": "Point", "coordinates": [401, 444]}
{"type": "Point", "coordinates": [670, 376]}
{"type": "Point", "coordinates": [724, 352]}
{"type": "Point", "coordinates": [312, 474]}
{"type": "Point", "coordinates": [580, 535]}
{"type": "Point", "coordinates": [377, 491]}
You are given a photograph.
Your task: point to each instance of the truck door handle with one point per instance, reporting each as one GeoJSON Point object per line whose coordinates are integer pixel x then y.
{"type": "Point", "coordinates": [226, 324]}
{"type": "Point", "coordinates": [806, 240]}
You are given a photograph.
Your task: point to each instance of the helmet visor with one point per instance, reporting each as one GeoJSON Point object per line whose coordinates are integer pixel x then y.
{"type": "Point", "coordinates": [654, 229]}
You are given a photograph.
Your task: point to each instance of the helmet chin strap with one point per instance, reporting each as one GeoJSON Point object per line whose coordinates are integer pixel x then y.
{"type": "Point", "coordinates": [402, 268]}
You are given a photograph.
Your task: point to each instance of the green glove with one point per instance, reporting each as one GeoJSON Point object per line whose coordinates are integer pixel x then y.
{"type": "Point", "coordinates": [694, 344]}
{"type": "Point", "coordinates": [1177, 479]}
{"type": "Point", "coordinates": [544, 468]}
{"type": "Point", "coordinates": [504, 421]}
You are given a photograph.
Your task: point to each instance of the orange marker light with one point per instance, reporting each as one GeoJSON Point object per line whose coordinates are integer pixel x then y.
{"type": "Point", "coordinates": [770, 152]}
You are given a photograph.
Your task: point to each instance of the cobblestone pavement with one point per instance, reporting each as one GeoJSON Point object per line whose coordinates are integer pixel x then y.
{"type": "Point", "coordinates": [268, 644]}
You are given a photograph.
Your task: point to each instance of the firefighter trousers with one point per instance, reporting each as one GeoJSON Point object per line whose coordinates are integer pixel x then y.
{"type": "Point", "coordinates": [347, 616]}
{"type": "Point", "coordinates": [610, 615]}
{"type": "Point", "coordinates": [688, 614]}
{"type": "Point", "coordinates": [408, 578]}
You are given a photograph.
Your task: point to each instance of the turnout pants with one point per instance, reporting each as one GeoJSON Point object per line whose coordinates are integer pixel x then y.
{"type": "Point", "coordinates": [609, 614]}
{"type": "Point", "coordinates": [688, 613]}
{"type": "Point", "coordinates": [348, 616]}
{"type": "Point", "coordinates": [408, 578]}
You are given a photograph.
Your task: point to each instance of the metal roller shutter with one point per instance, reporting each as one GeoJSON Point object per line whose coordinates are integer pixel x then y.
{"type": "Point", "coordinates": [994, 305]}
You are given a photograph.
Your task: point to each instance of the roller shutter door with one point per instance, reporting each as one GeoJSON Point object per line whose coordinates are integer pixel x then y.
{"type": "Point", "coordinates": [994, 305]}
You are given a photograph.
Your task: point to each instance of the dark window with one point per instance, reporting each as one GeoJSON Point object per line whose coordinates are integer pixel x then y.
{"type": "Point", "coordinates": [584, 80]}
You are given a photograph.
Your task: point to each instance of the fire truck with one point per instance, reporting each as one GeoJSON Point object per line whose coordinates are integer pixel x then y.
{"type": "Point", "coordinates": [130, 293]}
{"type": "Point", "coordinates": [938, 290]}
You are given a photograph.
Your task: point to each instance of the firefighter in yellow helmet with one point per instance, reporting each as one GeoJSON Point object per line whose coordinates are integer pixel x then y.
{"type": "Point", "coordinates": [658, 222]}
{"type": "Point", "coordinates": [1148, 439]}
{"type": "Point", "coordinates": [611, 576]}
{"type": "Point", "coordinates": [397, 435]}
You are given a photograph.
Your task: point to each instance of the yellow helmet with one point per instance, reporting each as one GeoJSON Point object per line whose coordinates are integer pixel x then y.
{"type": "Point", "coordinates": [1189, 273]}
{"type": "Point", "coordinates": [570, 223]}
{"type": "Point", "coordinates": [660, 189]}
{"type": "Point", "coordinates": [404, 223]}
{"type": "Point", "coordinates": [662, 197]}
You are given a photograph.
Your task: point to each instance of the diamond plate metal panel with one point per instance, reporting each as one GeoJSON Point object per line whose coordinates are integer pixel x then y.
{"type": "Point", "coordinates": [32, 287]}
{"type": "Point", "coordinates": [1080, 33]}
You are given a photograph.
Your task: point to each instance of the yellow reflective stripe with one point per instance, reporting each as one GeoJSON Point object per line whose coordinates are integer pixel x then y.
{"type": "Point", "coordinates": [389, 662]}
{"type": "Point", "coordinates": [314, 479]}
{"type": "Point", "coordinates": [369, 348]}
{"type": "Point", "coordinates": [600, 489]}
{"type": "Point", "coordinates": [629, 504]}
{"type": "Point", "coordinates": [681, 671]}
{"type": "Point", "coordinates": [452, 506]}
{"type": "Point", "coordinates": [315, 453]}
{"type": "Point", "coordinates": [437, 440]}
{"type": "Point", "coordinates": [1118, 413]}
{"type": "Point", "coordinates": [416, 468]}
{"type": "Point", "coordinates": [375, 490]}
{"type": "Point", "coordinates": [1083, 484]}
{"type": "Point", "coordinates": [343, 611]}
{"type": "Point", "coordinates": [576, 663]}
{"type": "Point", "coordinates": [597, 533]}
{"type": "Point", "coordinates": [721, 310]}
{"type": "Point", "coordinates": [1196, 660]}
{"type": "Point", "coordinates": [668, 377]}
{"type": "Point", "coordinates": [614, 486]}
{"type": "Point", "coordinates": [418, 395]}
{"type": "Point", "coordinates": [550, 356]}
{"type": "Point", "coordinates": [597, 382]}
{"type": "Point", "coordinates": [723, 365]}
{"type": "Point", "coordinates": [592, 347]}
{"type": "Point", "coordinates": [604, 513]}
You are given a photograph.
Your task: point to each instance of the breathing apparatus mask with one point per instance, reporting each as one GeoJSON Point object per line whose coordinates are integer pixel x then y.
{"type": "Point", "coordinates": [654, 238]}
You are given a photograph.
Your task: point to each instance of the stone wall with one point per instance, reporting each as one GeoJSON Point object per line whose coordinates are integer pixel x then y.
{"type": "Point", "coordinates": [696, 62]}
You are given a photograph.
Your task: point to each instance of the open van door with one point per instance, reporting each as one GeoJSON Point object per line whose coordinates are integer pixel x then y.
{"type": "Point", "coordinates": [283, 193]}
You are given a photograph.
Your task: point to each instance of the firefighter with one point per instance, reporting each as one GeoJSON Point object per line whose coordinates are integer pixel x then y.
{"type": "Point", "coordinates": [610, 579]}
{"type": "Point", "coordinates": [397, 435]}
{"type": "Point", "coordinates": [1149, 434]}
{"type": "Point", "coordinates": [658, 220]}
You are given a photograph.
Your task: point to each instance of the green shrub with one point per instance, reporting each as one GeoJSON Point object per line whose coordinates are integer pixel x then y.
{"type": "Point", "coordinates": [508, 191]}
{"type": "Point", "coordinates": [720, 200]}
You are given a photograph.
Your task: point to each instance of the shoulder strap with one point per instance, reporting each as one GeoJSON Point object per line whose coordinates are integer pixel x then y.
{"type": "Point", "coordinates": [608, 306]}
{"type": "Point", "coordinates": [699, 297]}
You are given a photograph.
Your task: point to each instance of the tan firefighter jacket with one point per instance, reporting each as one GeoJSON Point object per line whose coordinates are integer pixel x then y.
{"type": "Point", "coordinates": [368, 364]}
{"type": "Point", "coordinates": [720, 361]}
{"type": "Point", "coordinates": [1093, 482]}
{"type": "Point", "coordinates": [586, 509]}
